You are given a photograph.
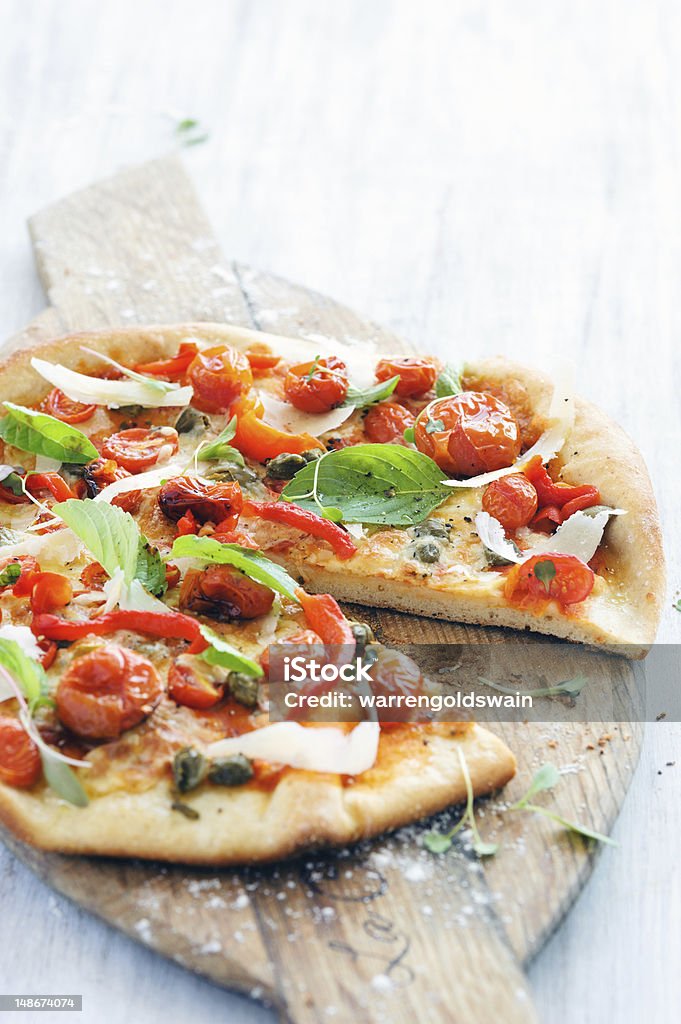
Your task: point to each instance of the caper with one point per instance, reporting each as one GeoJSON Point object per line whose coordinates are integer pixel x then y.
{"type": "Point", "coordinates": [432, 528]}
{"type": "Point", "coordinates": [363, 635]}
{"type": "Point", "coordinates": [189, 419]}
{"type": "Point", "coordinates": [230, 771]}
{"type": "Point", "coordinates": [313, 454]}
{"type": "Point", "coordinates": [285, 466]}
{"type": "Point", "coordinates": [243, 688]}
{"type": "Point", "coordinates": [231, 471]}
{"type": "Point", "coordinates": [427, 551]}
{"type": "Point", "coordinates": [189, 769]}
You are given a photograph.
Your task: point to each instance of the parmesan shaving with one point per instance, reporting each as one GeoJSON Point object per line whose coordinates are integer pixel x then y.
{"type": "Point", "coordinates": [23, 636]}
{"type": "Point", "coordinates": [314, 750]}
{"type": "Point", "coordinates": [579, 535]}
{"type": "Point", "coordinates": [284, 416]}
{"type": "Point", "coordinates": [141, 481]}
{"type": "Point", "coordinates": [79, 387]}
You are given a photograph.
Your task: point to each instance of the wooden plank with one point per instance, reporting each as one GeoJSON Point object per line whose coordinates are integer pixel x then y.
{"type": "Point", "coordinates": [533, 880]}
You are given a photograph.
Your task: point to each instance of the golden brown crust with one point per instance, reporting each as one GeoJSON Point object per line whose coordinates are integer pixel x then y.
{"type": "Point", "coordinates": [303, 811]}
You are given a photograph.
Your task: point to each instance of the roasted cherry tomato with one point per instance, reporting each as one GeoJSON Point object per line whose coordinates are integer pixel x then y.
{"type": "Point", "coordinates": [224, 593]}
{"type": "Point", "coordinates": [219, 376]}
{"type": "Point", "coordinates": [137, 449]}
{"type": "Point", "coordinates": [512, 500]}
{"type": "Point", "coordinates": [468, 434]}
{"type": "Point", "coordinates": [174, 368]}
{"type": "Point", "coordinates": [20, 763]}
{"type": "Point", "coordinates": [417, 375]}
{"type": "Point", "coordinates": [94, 576]}
{"type": "Point", "coordinates": [304, 638]}
{"type": "Point", "coordinates": [52, 482]}
{"type": "Point", "coordinates": [261, 358]}
{"type": "Point", "coordinates": [259, 440]}
{"type": "Point", "coordinates": [562, 578]}
{"type": "Point", "coordinates": [191, 688]}
{"type": "Point", "coordinates": [60, 406]}
{"type": "Point", "coordinates": [99, 473]}
{"type": "Point", "coordinates": [107, 691]}
{"type": "Point", "coordinates": [50, 591]}
{"type": "Point", "coordinates": [207, 502]}
{"type": "Point", "coordinates": [386, 422]}
{"type": "Point", "coordinates": [317, 386]}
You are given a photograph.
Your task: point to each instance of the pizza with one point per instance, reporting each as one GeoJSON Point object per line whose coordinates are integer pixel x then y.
{"type": "Point", "coordinates": [174, 500]}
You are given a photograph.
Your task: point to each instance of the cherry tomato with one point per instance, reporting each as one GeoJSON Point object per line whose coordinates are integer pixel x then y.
{"type": "Point", "coordinates": [262, 358]}
{"type": "Point", "coordinates": [387, 422]}
{"type": "Point", "coordinates": [224, 593]}
{"type": "Point", "coordinates": [468, 434]}
{"type": "Point", "coordinates": [512, 500]}
{"type": "Point", "coordinates": [417, 375]}
{"type": "Point", "coordinates": [49, 649]}
{"type": "Point", "coordinates": [303, 638]}
{"type": "Point", "coordinates": [20, 763]}
{"type": "Point", "coordinates": [562, 578]}
{"type": "Point", "coordinates": [174, 368]}
{"type": "Point", "coordinates": [107, 691]}
{"type": "Point", "coordinates": [94, 576]}
{"type": "Point", "coordinates": [191, 688]}
{"type": "Point", "coordinates": [324, 616]}
{"type": "Point", "coordinates": [219, 376]}
{"type": "Point", "coordinates": [60, 406]}
{"type": "Point", "coordinates": [317, 386]}
{"type": "Point", "coordinates": [137, 449]}
{"type": "Point", "coordinates": [207, 502]}
{"type": "Point", "coordinates": [99, 473]}
{"type": "Point", "coordinates": [172, 575]}
{"type": "Point", "coordinates": [50, 591]}
{"type": "Point", "coordinates": [259, 440]}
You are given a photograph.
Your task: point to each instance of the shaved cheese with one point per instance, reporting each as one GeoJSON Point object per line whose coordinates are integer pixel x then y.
{"type": "Point", "coordinates": [112, 393]}
{"type": "Point", "coordinates": [141, 481]}
{"type": "Point", "coordinates": [560, 417]}
{"type": "Point", "coordinates": [61, 546]}
{"type": "Point", "coordinates": [284, 416]}
{"type": "Point", "coordinates": [492, 535]}
{"type": "Point", "coordinates": [356, 530]}
{"type": "Point", "coordinates": [315, 750]}
{"type": "Point", "coordinates": [44, 464]}
{"type": "Point", "coordinates": [579, 535]}
{"type": "Point", "coordinates": [23, 636]}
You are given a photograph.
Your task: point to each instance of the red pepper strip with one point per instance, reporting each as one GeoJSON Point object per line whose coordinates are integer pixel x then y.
{"type": "Point", "coordinates": [170, 624]}
{"type": "Point", "coordinates": [51, 482]}
{"type": "Point", "coordinates": [226, 535]}
{"type": "Point", "coordinates": [174, 368]}
{"type": "Point", "coordinates": [309, 522]}
{"type": "Point", "coordinates": [323, 615]}
{"type": "Point", "coordinates": [546, 519]}
{"type": "Point", "coordinates": [550, 493]}
{"type": "Point", "coordinates": [187, 524]}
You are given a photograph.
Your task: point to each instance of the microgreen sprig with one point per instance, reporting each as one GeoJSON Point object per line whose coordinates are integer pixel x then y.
{"type": "Point", "coordinates": [440, 842]}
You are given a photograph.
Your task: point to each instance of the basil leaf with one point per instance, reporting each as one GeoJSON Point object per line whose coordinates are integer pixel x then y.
{"type": "Point", "coordinates": [63, 780]}
{"type": "Point", "coordinates": [41, 434]}
{"type": "Point", "coordinates": [448, 383]}
{"type": "Point", "coordinates": [110, 534]}
{"type": "Point", "coordinates": [360, 398]}
{"type": "Point", "coordinates": [150, 569]}
{"type": "Point", "coordinates": [220, 447]}
{"type": "Point", "coordinates": [223, 654]}
{"type": "Point", "coordinates": [545, 571]}
{"type": "Point", "coordinates": [29, 674]}
{"type": "Point", "coordinates": [437, 842]}
{"type": "Point", "coordinates": [371, 483]}
{"type": "Point", "coordinates": [12, 480]}
{"type": "Point", "coordinates": [251, 563]}
{"type": "Point", "coordinates": [10, 574]}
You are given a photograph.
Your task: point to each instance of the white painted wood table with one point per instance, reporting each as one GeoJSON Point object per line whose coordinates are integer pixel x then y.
{"type": "Point", "coordinates": [480, 177]}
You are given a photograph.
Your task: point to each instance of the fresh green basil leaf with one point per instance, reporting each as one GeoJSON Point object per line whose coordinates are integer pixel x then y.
{"type": "Point", "coordinates": [409, 435]}
{"type": "Point", "coordinates": [29, 674]}
{"type": "Point", "coordinates": [223, 654]}
{"type": "Point", "coordinates": [437, 842]}
{"type": "Point", "coordinates": [150, 569]}
{"type": "Point", "coordinates": [545, 571]}
{"type": "Point", "coordinates": [10, 574]}
{"type": "Point", "coordinates": [361, 398]}
{"type": "Point", "coordinates": [448, 383]}
{"type": "Point", "coordinates": [251, 563]}
{"type": "Point", "coordinates": [371, 483]}
{"type": "Point", "coordinates": [41, 434]}
{"type": "Point", "coordinates": [110, 534]}
{"type": "Point", "coordinates": [220, 448]}
{"type": "Point", "coordinates": [63, 780]}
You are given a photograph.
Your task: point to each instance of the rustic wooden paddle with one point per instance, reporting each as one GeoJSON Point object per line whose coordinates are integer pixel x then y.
{"type": "Point", "coordinates": [380, 932]}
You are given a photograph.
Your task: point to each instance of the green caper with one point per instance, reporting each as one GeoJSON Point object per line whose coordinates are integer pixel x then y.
{"type": "Point", "coordinates": [243, 475]}
{"type": "Point", "coordinates": [363, 635]}
{"type": "Point", "coordinates": [230, 771]}
{"type": "Point", "coordinates": [313, 454]}
{"type": "Point", "coordinates": [432, 528]}
{"type": "Point", "coordinates": [285, 466]}
{"type": "Point", "coordinates": [243, 688]}
{"type": "Point", "coordinates": [189, 769]}
{"type": "Point", "coordinates": [427, 550]}
{"type": "Point", "coordinates": [189, 419]}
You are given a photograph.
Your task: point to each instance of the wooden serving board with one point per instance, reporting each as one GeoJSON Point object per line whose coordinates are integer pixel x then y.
{"type": "Point", "coordinates": [383, 931]}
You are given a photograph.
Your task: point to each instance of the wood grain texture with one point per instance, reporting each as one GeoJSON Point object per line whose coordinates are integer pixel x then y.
{"type": "Point", "coordinates": [477, 178]}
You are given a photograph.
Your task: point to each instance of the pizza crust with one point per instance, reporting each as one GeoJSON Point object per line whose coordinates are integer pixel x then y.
{"type": "Point", "coordinates": [411, 780]}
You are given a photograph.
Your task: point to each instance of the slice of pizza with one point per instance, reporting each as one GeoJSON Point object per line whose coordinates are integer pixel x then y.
{"type": "Point", "coordinates": [138, 610]}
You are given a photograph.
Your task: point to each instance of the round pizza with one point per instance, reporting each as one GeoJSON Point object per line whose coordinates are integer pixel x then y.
{"type": "Point", "coordinates": [175, 500]}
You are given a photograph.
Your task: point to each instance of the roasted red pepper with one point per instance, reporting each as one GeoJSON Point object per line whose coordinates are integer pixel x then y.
{"type": "Point", "coordinates": [559, 494]}
{"type": "Point", "coordinates": [168, 624]}
{"type": "Point", "coordinates": [174, 368]}
{"type": "Point", "coordinates": [51, 482]}
{"type": "Point", "coordinates": [323, 615]}
{"type": "Point", "coordinates": [301, 519]}
{"type": "Point", "coordinates": [258, 440]}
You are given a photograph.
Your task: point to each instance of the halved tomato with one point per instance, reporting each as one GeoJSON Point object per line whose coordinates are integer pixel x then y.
{"type": "Point", "coordinates": [63, 408]}
{"type": "Point", "coordinates": [138, 449]}
{"type": "Point", "coordinates": [20, 763]}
